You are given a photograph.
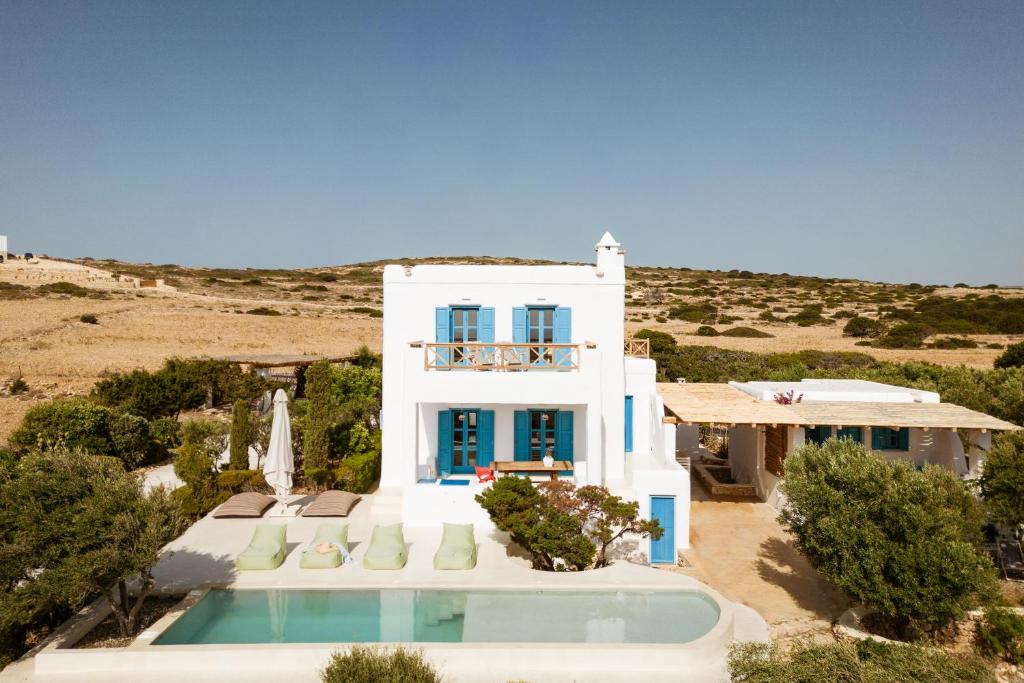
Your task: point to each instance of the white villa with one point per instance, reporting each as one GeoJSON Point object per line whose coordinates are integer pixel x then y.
{"type": "Point", "coordinates": [498, 366]}
{"type": "Point", "coordinates": [898, 422]}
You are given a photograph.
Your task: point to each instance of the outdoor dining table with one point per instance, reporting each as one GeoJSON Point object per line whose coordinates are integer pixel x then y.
{"type": "Point", "coordinates": [533, 467]}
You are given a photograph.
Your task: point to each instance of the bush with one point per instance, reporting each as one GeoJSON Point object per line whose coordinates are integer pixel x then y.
{"type": "Point", "coordinates": [900, 541]}
{"type": "Point", "coordinates": [68, 288]}
{"type": "Point", "coordinates": [166, 432]}
{"type": "Point", "coordinates": [76, 424]}
{"type": "Point", "coordinates": [131, 439]}
{"type": "Point", "coordinates": [319, 478]}
{"type": "Point", "coordinates": [364, 664]}
{"type": "Point", "coordinates": [693, 313]}
{"type": "Point", "coordinates": [89, 319]}
{"type": "Point", "coordinates": [952, 343]}
{"type": "Point", "coordinates": [358, 473]}
{"type": "Point", "coordinates": [1000, 634]}
{"type": "Point", "coordinates": [904, 336]}
{"type": "Point", "coordinates": [263, 310]}
{"type": "Point", "coordinates": [660, 342]}
{"type": "Point", "coordinates": [809, 315]}
{"type": "Point", "coordinates": [859, 326]}
{"type": "Point", "coordinates": [747, 333]}
{"type": "Point", "coordinates": [240, 481]}
{"type": "Point", "coordinates": [706, 331]}
{"type": "Point", "coordinates": [553, 538]}
{"type": "Point", "coordinates": [1012, 357]}
{"type": "Point", "coordinates": [1002, 478]}
{"type": "Point", "coordinates": [867, 661]}
{"type": "Point", "coordinates": [319, 415]}
{"type": "Point", "coordinates": [366, 310]}
{"type": "Point", "coordinates": [17, 386]}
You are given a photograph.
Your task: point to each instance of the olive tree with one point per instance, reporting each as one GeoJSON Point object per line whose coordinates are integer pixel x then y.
{"type": "Point", "coordinates": [1002, 478]}
{"type": "Point", "coordinates": [74, 526]}
{"type": "Point", "coordinates": [901, 541]}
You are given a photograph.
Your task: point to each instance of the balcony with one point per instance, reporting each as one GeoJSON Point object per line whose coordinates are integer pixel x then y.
{"type": "Point", "coordinates": [502, 357]}
{"type": "Point", "coordinates": [640, 348]}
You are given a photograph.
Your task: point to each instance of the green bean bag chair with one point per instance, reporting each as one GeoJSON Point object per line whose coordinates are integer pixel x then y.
{"type": "Point", "coordinates": [386, 549]}
{"type": "Point", "coordinates": [458, 548]}
{"type": "Point", "coordinates": [337, 536]}
{"type": "Point", "coordinates": [266, 549]}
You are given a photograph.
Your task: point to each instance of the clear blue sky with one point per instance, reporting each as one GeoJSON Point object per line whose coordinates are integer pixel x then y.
{"type": "Point", "coordinates": [877, 140]}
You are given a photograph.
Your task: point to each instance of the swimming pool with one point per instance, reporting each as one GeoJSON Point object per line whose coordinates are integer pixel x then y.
{"type": "Point", "coordinates": [249, 616]}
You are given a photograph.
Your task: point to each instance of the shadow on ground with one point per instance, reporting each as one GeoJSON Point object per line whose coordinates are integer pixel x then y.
{"type": "Point", "coordinates": [781, 564]}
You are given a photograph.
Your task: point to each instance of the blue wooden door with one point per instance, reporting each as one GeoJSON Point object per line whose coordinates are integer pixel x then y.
{"type": "Point", "coordinates": [444, 442]}
{"type": "Point", "coordinates": [563, 435]}
{"type": "Point", "coordinates": [485, 434]}
{"type": "Point", "coordinates": [663, 509]}
{"type": "Point", "coordinates": [522, 435]}
{"type": "Point", "coordinates": [629, 424]}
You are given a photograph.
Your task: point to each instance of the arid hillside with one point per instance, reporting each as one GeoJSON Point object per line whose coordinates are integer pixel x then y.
{"type": "Point", "coordinates": [217, 312]}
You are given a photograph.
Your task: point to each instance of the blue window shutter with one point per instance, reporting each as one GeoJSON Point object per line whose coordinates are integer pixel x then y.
{"type": "Point", "coordinates": [520, 333]}
{"type": "Point", "coordinates": [629, 424]}
{"type": "Point", "coordinates": [877, 438]}
{"type": "Point", "coordinates": [485, 438]}
{"type": "Point", "coordinates": [443, 334]}
{"type": "Point", "coordinates": [442, 325]}
{"type": "Point", "coordinates": [904, 439]}
{"type": "Point", "coordinates": [851, 433]}
{"type": "Point", "coordinates": [563, 325]}
{"type": "Point", "coordinates": [444, 442]}
{"type": "Point", "coordinates": [522, 435]}
{"type": "Point", "coordinates": [485, 325]}
{"type": "Point", "coordinates": [563, 435]}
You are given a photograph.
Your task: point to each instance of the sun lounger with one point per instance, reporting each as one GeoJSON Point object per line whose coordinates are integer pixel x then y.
{"type": "Point", "coordinates": [458, 548]}
{"type": "Point", "coordinates": [266, 549]}
{"type": "Point", "coordinates": [336, 535]}
{"type": "Point", "coordinates": [386, 549]}
{"type": "Point", "coordinates": [249, 504]}
{"type": "Point", "coordinates": [331, 504]}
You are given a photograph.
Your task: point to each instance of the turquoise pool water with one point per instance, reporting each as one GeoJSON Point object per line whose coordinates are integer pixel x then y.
{"type": "Point", "coordinates": [443, 616]}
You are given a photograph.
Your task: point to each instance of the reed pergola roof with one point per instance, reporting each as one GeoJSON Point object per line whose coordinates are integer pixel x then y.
{"type": "Point", "coordinates": [283, 360]}
{"type": "Point", "coordinates": [722, 404]}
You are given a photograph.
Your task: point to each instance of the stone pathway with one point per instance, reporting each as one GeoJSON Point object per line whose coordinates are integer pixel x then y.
{"type": "Point", "coordinates": [739, 549]}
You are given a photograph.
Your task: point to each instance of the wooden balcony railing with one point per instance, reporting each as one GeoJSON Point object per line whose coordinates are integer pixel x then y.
{"type": "Point", "coordinates": [501, 357]}
{"type": "Point", "coordinates": [638, 347]}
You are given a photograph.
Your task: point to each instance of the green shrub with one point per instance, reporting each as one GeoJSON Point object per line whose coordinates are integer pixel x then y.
{"type": "Point", "coordinates": [767, 316]}
{"type": "Point", "coordinates": [660, 342]}
{"type": "Point", "coordinates": [706, 331]}
{"type": "Point", "coordinates": [17, 386]}
{"type": "Point", "coordinates": [240, 481]}
{"type": "Point", "coordinates": [901, 541]}
{"type": "Point", "coordinates": [166, 432]}
{"type": "Point", "coordinates": [263, 310]}
{"type": "Point", "coordinates": [809, 315]}
{"type": "Point", "coordinates": [746, 332]}
{"type": "Point", "coordinates": [206, 433]}
{"type": "Point", "coordinates": [131, 439]}
{"type": "Point", "coordinates": [89, 319]}
{"type": "Point", "coordinates": [859, 326]}
{"type": "Point", "coordinates": [1000, 634]}
{"type": "Point", "coordinates": [1012, 357]}
{"type": "Point", "coordinates": [366, 310]}
{"type": "Point", "coordinates": [904, 336]}
{"type": "Point", "coordinates": [319, 415]}
{"type": "Point", "coordinates": [68, 288]}
{"type": "Point", "coordinates": [358, 473]}
{"type": "Point", "coordinates": [1002, 478]}
{"type": "Point", "coordinates": [952, 343]}
{"type": "Point", "coordinates": [553, 538]}
{"type": "Point", "coordinates": [862, 661]}
{"type": "Point", "coordinates": [75, 424]}
{"type": "Point", "coordinates": [320, 478]}
{"type": "Point", "coordinates": [694, 313]}
{"type": "Point", "coordinates": [363, 664]}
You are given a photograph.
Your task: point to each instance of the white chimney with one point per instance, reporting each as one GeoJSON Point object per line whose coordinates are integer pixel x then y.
{"type": "Point", "coordinates": [609, 254]}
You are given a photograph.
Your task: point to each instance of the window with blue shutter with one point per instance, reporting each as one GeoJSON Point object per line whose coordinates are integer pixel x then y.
{"type": "Point", "coordinates": [485, 435]}
{"type": "Point", "coordinates": [521, 450]}
{"type": "Point", "coordinates": [886, 439]}
{"type": "Point", "coordinates": [563, 435]}
{"type": "Point", "coordinates": [851, 433]}
{"type": "Point", "coordinates": [442, 334]}
{"type": "Point", "coordinates": [444, 442]}
{"type": "Point", "coordinates": [818, 435]}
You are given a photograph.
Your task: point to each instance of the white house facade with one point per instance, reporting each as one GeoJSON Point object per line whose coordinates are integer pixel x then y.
{"type": "Point", "coordinates": [489, 364]}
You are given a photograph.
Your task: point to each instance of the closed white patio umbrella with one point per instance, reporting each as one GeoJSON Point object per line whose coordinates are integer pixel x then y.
{"type": "Point", "coordinates": [280, 462]}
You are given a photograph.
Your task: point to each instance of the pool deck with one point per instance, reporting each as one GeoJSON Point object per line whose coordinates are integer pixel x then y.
{"type": "Point", "coordinates": [203, 557]}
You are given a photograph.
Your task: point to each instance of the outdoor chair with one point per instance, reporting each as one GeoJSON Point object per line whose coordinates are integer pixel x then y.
{"type": "Point", "coordinates": [266, 549]}
{"type": "Point", "coordinates": [484, 474]}
{"type": "Point", "coordinates": [457, 549]}
{"type": "Point", "coordinates": [335, 535]}
{"type": "Point", "coordinates": [386, 549]}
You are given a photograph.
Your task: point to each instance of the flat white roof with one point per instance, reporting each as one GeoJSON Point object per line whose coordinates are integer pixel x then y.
{"type": "Point", "coordinates": [846, 390]}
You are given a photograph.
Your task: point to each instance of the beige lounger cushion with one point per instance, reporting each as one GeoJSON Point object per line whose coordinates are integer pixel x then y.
{"type": "Point", "coordinates": [331, 504]}
{"type": "Point", "coordinates": [249, 504]}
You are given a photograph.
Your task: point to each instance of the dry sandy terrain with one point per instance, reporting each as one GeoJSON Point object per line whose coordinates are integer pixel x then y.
{"type": "Point", "coordinates": [42, 339]}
